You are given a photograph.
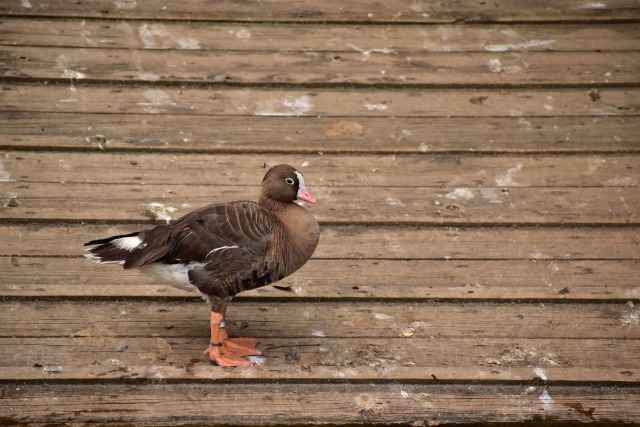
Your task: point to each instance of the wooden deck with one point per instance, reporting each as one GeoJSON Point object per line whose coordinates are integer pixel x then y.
{"type": "Point", "coordinates": [477, 169]}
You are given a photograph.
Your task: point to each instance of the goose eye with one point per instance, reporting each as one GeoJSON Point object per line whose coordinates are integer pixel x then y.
{"type": "Point", "coordinates": [289, 181]}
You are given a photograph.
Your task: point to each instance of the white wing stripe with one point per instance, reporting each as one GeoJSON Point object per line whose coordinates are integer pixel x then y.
{"type": "Point", "coordinates": [220, 249]}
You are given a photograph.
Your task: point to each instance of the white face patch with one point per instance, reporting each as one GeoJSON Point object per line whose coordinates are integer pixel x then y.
{"type": "Point", "coordinates": [300, 179]}
{"type": "Point", "coordinates": [127, 243]}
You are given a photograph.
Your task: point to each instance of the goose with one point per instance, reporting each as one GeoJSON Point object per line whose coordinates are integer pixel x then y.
{"type": "Point", "coordinates": [221, 250]}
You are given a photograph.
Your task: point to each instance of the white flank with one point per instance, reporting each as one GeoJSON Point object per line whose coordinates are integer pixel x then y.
{"type": "Point", "coordinates": [212, 251]}
{"type": "Point", "coordinates": [172, 274]}
{"type": "Point", "coordinates": [127, 243]}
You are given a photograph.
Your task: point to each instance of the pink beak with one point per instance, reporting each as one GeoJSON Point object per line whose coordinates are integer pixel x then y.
{"type": "Point", "coordinates": [303, 194]}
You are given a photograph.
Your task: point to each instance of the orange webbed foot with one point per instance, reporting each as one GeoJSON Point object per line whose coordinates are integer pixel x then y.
{"type": "Point", "coordinates": [221, 356]}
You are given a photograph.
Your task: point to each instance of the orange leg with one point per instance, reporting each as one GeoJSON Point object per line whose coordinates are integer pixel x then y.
{"type": "Point", "coordinates": [225, 351]}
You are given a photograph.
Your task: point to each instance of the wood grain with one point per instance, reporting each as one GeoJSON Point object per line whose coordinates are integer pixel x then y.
{"type": "Point", "coordinates": [202, 103]}
{"type": "Point", "coordinates": [349, 279]}
{"type": "Point", "coordinates": [308, 37]}
{"type": "Point", "coordinates": [345, 171]}
{"type": "Point", "coordinates": [375, 242]}
{"type": "Point", "coordinates": [293, 403]}
{"type": "Point", "coordinates": [495, 69]}
{"type": "Point", "coordinates": [95, 357]}
{"type": "Point", "coordinates": [328, 319]}
{"type": "Point", "coordinates": [476, 166]}
{"type": "Point", "coordinates": [180, 133]}
{"type": "Point", "coordinates": [360, 11]}
{"type": "Point", "coordinates": [448, 205]}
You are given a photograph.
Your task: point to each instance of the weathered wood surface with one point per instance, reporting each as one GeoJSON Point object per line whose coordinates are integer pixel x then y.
{"type": "Point", "coordinates": [335, 11]}
{"type": "Point", "coordinates": [367, 204]}
{"type": "Point", "coordinates": [375, 242]}
{"type": "Point", "coordinates": [304, 403]}
{"type": "Point", "coordinates": [290, 135]}
{"type": "Point", "coordinates": [599, 280]}
{"type": "Point", "coordinates": [478, 192]}
{"type": "Point", "coordinates": [415, 68]}
{"type": "Point", "coordinates": [327, 170]}
{"type": "Point", "coordinates": [468, 340]}
{"type": "Point", "coordinates": [371, 39]}
{"type": "Point", "coordinates": [269, 102]}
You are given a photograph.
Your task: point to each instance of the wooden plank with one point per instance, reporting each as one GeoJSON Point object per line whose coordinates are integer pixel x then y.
{"type": "Point", "coordinates": [290, 135]}
{"type": "Point", "coordinates": [444, 103]}
{"type": "Point", "coordinates": [349, 279]}
{"type": "Point", "coordinates": [497, 69]}
{"type": "Point", "coordinates": [375, 242]}
{"type": "Point", "coordinates": [373, 38]}
{"type": "Point", "coordinates": [327, 319]}
{"type": "Point", "coordinates": [291, 403]}
{"type": "Point", "coordinates": [339, 205]}
{"type": "Point", "coordinates": [361, 11]}
{"type": "Point", "coordinates": [347, 171]}
{"type": "Point", "coordinates": [305, 359]}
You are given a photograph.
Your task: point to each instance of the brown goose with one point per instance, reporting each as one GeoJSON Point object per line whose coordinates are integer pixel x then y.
{"type": "Point", "coordinates": [224, 249]}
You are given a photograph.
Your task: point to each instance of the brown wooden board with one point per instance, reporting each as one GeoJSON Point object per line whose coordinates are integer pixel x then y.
{"type": "Point", "coordinates": [288, 135]}
{"type": "Point", "coordinates": [372, 39]}
{"type": "Point", "coordinates": [375, 242]}
{"type": "Point", "coordinates": [389, 68]}
{"type": "Point", "coordinates": [361, 11]}
{"type": "Point", "coordinates": [346, 171]}
{"type": "Point", "coordinates": [326, 319]}
{"type": "Point", "coordinates": [93, 354]}
{"type": "Point", "coordinates": [291, 403]}
{"type": "Point", "coordinates": [447, 205]}
{"type": "Point", "coordinates": [521, 104]}
{"type": "Point", "coordinates": [349, 279]}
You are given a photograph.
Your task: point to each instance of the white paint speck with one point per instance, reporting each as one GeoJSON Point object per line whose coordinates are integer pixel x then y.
{"type": "Point", "coordinates": [423, 148]}
{"type": "Point", "coordinates": [287, 106]}
{"type": "Point", "coordinates": [162, 211]}
{"type": "Point", "coordinates": [495, 66]}
{"type": "Point", "coordinates": [391, 201]}
{"type": "Point", "coordinates": [382, 316]}
{"type": "Point", "coordinates": [318, 333]}
{"type": "Point", "coordinates": [156, 97]}
{"type": "Point", "coordinates": [26, 4]}
{"type": "Point", "coordinates": [621, 181]}
{"type": "Point", "coordinates": [507, 179]}
{"type": "Point", "coordinates": [368, 53]}
{"type": "Point", "coordinates": [593, 5]}
{"type": "Point", "coordinates": [157, 372]}
{"type": "Point", "coordinates": [5, 176]}
{"type": "Point", "coordinates": [631, 318]}
{"type": "Point", "coordinates": [404, 394]}
{"type": "Point", "coordinates": [258, 360]}
{"type": "Point", "coordinates": [375, 107]}
{"type": "Point", "coordinates": [188, 43]}
{"type": "Point", "coordinates": [148, 34]}
{"type": "Point", "coordinates": [243, 34]}
{"type": "Point", "coordinates": [518, 46]}
{"type": "Point", "coordinates": [64, 64]}
{"type": "Point", "coordinates": [539, 372]}
{"type": "Point", "coordinates": [547, 401]}
{"type": "Point", "coordinates": [126, 4]}
{"type": "Point", "coordinates": [460, 193]}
